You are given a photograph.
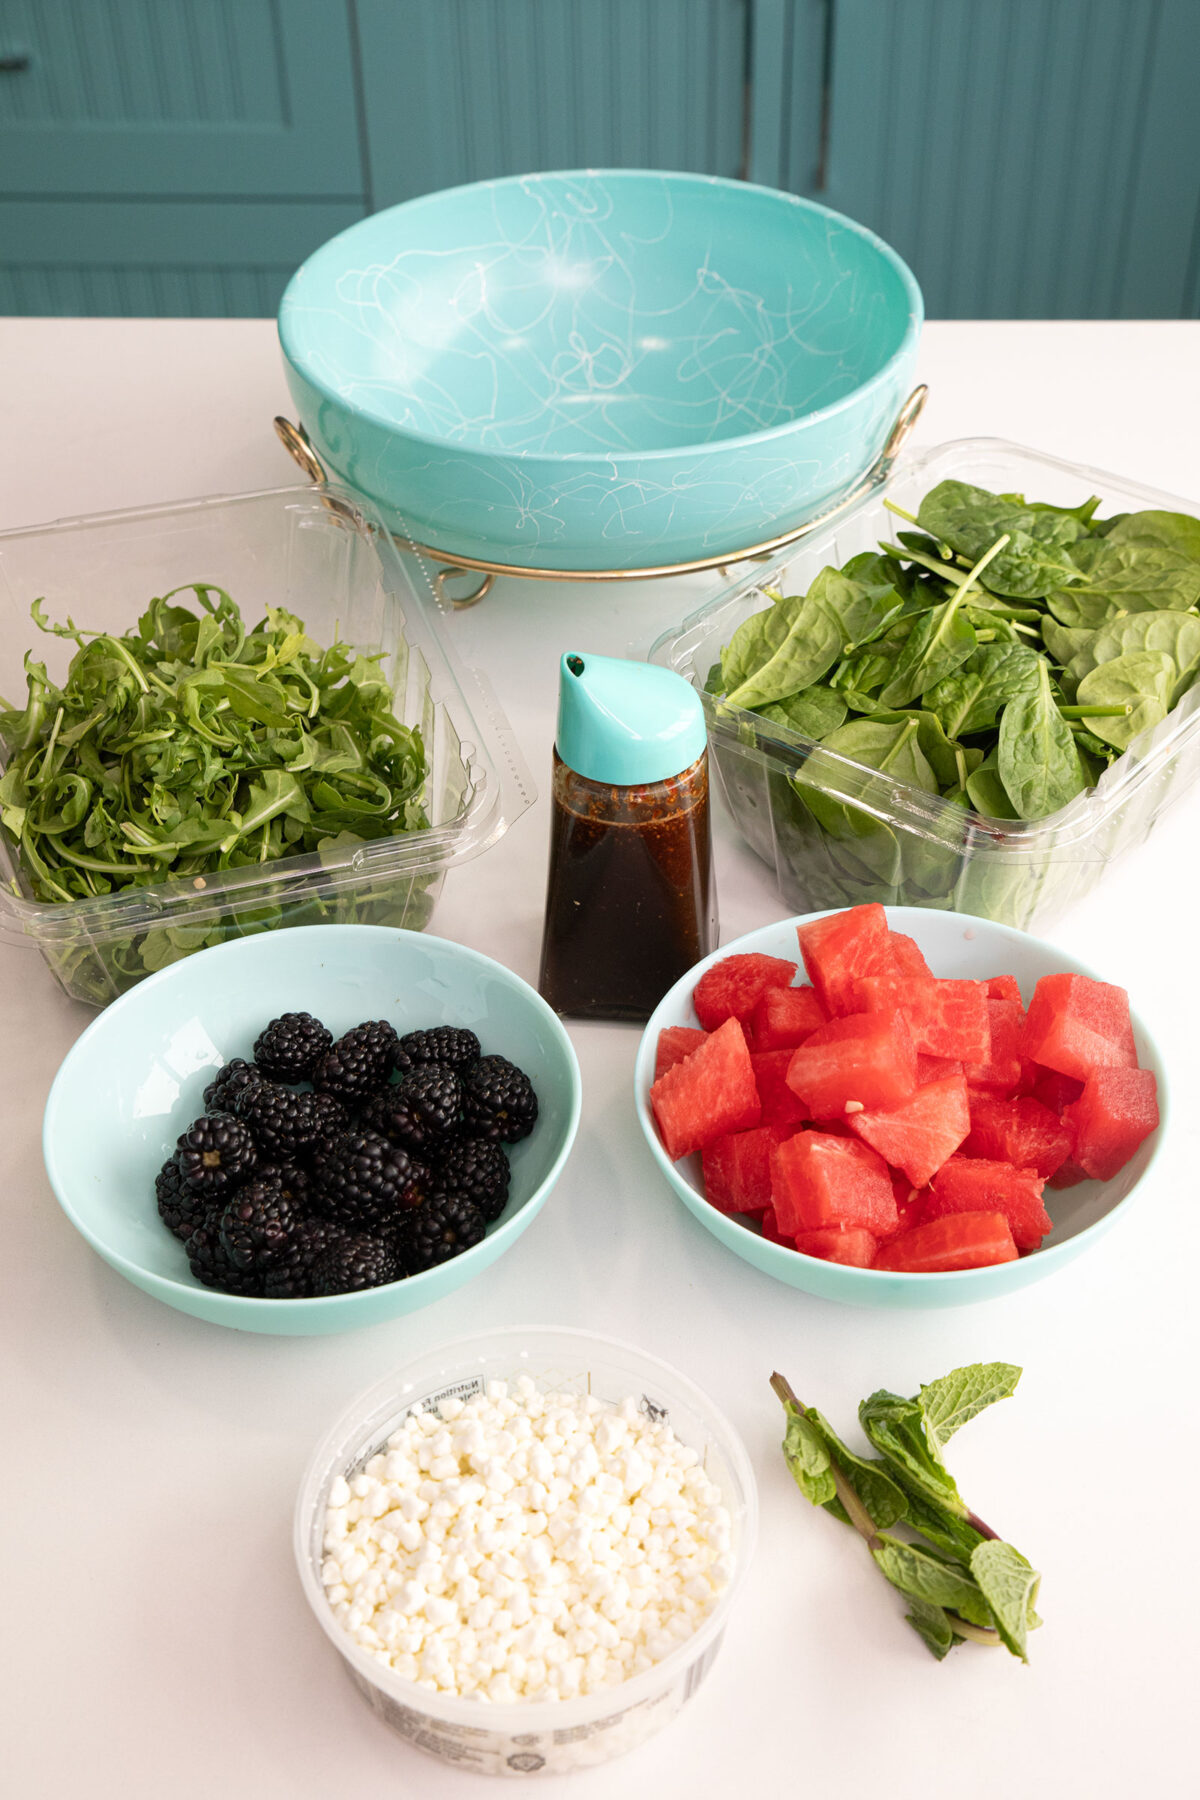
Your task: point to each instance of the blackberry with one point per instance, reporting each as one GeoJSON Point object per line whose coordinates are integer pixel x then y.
{"type": "Point", "coordinates": [422, 1112]}
{"type": "Point", "coordinates": [451, 1045]}
{"type": "Point", "coordinates": [330, 1120]}
{"type": "Point", "coordinates": [181, 1208]}
{"type": "Point", "coordinates": [359, 1063]}
{"type": "Point", "coordinates": [223, 1090]}
{"type": "Point", "coordinates": [290, 1278]}
{"type": "Point", "coordinates": [444, 1227]}
{"type": "Point", "coordinates": [291, 1046]}
{"type": "Point", "coordinates": [286, 1125]}
{"type": "Point", "coordinates": [293, 1181]}
{"type": "Point", "coordinates": [355, 1261]}
{"type": "Point", "coordinates": [364, 1181]}
{"type": "Point", "coordinates": [216, 1154]}
{"type": "Point", "coordinates": [476, 1170]}
{"type": "Point", "coordinates": [210, 1262]}
{"type": "Point", "coordinates": [498, 1101]}
{"type": "Point", "coordinates": [257, 1225]}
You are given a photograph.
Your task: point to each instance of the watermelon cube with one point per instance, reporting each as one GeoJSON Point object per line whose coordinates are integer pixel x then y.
{"type": "Point", "coordinates": [770, 1230]}
{"type": "Point", "coordinates": [964, 1241]}
{"type": "Point", "coordinates": [855, 1247]}
{"type": "Point", "coordinates": [784, 1017]}
{"type": "Point", "coordinates": [936, 1068]}
{"type": "Point", "coordinates": [1075, 1025]}
{"type": "Point", "coordinates": [1004, 987]}
{"type": "Point", "coordinates": [737, 1169]}
{"type": "Point", "coordinates": [842, 947]}
{"type": "Point", "coordinates": [866, 1060]}
{"type": "Point", "coordinates": [1068, 1176]}
{"type": "Point", "coordinates": [978, 1185]}
{"type": "Point", "coordinates": [1054, 1090]}
{"type": "Point", "coordinates": [1001, 1069]}
{"type": "Point", "coordinates": [708, 1095]}
{"type": "Point", "coordinates": [674, 1043]}
{"type": "Point", "coordinates": [781, 1105]}
{"type": "Point", "coordinates": [946, 1018]}
{"type": "Point", "coordinates": [1022, 1132]}
{"type": "Point", "coordinates": [731, 988]}
{"type": "Point", "coordinates": [906, 955]}
{"type": "Point", "coordinates": [1116, 1111]}
{"type": "Point", "coordinates": [920, 1134]}
{"type": "Point", "coordinates": [818, 1181]}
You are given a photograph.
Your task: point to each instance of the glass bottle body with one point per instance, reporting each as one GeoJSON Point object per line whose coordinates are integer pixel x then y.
{"type": "Point", "coordinates": [630, 901]}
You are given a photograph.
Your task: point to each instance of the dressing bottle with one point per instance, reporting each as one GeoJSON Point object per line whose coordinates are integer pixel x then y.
{"type": "Point", "coordinates": [630, 901]}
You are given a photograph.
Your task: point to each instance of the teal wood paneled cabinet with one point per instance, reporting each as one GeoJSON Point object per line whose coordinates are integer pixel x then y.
{"type": "Point", "coordinates": [1030, 158]}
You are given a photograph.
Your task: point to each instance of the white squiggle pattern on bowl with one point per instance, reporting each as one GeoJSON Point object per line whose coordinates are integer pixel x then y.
{"type": "Point", "coordinates": [554, 383]}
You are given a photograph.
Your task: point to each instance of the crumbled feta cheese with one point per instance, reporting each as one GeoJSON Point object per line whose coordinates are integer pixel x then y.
{"type": "Point", "coordinates": [522, 1544]}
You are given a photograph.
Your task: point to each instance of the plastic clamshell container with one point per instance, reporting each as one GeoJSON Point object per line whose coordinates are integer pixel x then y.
{"type": "Point", "coordinates": [530, 1737]}
{"type": "Point", "coordinates": [321, 553]}
{"type": "Point", "coordinates": [901, 846]}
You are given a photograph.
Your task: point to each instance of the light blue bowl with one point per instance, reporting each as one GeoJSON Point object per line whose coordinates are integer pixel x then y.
{"type": "Point", "coordinates": [965, 948]}
{"type": "Point", "coordinates": [136, 1079]}
{"type": "Point", "coordinates": [611, 369]}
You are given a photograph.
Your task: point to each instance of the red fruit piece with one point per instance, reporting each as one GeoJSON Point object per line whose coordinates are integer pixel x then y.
{"type": "Point", "coordinates": [855, 1247]}
{"type": "Point", "coordinates": [784, 1017]}
{"type": "Point", "coordinates": [1004, 987]}
{"type": "Point", "coordinates": [818, 1181]}
{"type": "Point", "coordinates": [841, 948]}
{"type": "Point", "coordinates": [1068, 1176]}
{"type": "Point", "coordinates": [1075, 1025]}
{"type": "Point", "coordinates": [737, 1169]}
{"type": "Point", "coordinates": [1117, 1110]}
{"type": "Point", "coordinates": [965, 1241]}
{"type": "Point", "coordinates": [921, 1133]}
{"type": "Point", "coordinates": [730, 989]}
{"type": "Point", "coordinates": [781, 1105]}
{"type": "Point", "coordinates": [1054, 1090]}
{"type": "Point", "coordinates": [771, 1231]}
{"type": "Point", "coordinates": [709, 1094]}
{"type": "Point", "coordinates": [1022, 1132]}
{"type": "Point", "coordinates": [936, 1068]}
{"type": "Point", "coordinates": [1002, 1069]}
{"type": "Point", "coordinates": [675, 1042]}
{"type": "Point", "coordinates": [975, 1185]}
{"type": "Point", "coordinates": [868, 1058]}
{"type": "Point", "coordinates": [946, 1018]}
{"type": "Point", "coordinates": [906, 955]}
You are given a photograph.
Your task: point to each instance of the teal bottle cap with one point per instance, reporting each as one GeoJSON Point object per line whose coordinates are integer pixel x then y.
{"type": "Point", "coordinates": [627, 723]}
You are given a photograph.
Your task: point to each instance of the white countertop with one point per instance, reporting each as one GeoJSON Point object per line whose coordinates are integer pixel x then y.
{"type": "Point", "coordinates": [154, 1634]}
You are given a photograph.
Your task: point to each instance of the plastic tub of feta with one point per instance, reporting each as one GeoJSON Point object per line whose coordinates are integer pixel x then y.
{"type": "Point", "coordinates": [525, 1547]}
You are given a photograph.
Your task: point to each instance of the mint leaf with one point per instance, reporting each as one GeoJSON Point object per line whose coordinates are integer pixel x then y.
{"type": "Point", "coordinates": [808, 1460]}
{"type": "Point", "coordinates": [896, 1427]}
{"type": "Point", "coordinates": [1010, 1586]}
{"type": "Point", "coordinates": [880, 1495]}
{"type": "Point", "coordinates": [926, 1577]}
{"type": "Point", "coordinates": [958, 1537]}
{"type": "Point", "coordinates": [933, 1627]}
{"type": "Point", "coordinates": [960, 1396]}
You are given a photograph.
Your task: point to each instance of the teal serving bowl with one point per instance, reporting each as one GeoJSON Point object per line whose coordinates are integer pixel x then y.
{"type": "Point", "coordinates": [600, 370]}
{"type": "Point", "coordinates": [964, 948]}
{"type": "Point", "coordinates": [136, 1078]}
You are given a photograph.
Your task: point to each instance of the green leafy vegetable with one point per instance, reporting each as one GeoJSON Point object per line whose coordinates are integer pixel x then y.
{"type": "Point", "coordinates": [191, 746]}
{"type": "Point", "coordinates": [1036, 756]}
{"type": "Point", "coordinates": [961, 1581]}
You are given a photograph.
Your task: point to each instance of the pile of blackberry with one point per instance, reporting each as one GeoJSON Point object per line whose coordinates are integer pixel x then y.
{"type": "Point", "coordinates": [323, 1166]}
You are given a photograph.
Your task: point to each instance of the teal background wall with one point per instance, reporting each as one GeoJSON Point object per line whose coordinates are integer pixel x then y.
{"type": "Point", "coordinates": [1030, 158]}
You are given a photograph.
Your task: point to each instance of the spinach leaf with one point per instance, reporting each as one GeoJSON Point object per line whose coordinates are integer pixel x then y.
{"type": "Point", "coordinates": [1128, 577]}
{"type": "Point", "coordinates": [814, 712]}
{"type": "Point", "coordinates": [1036, 755]}
{"type": "Point", "coordinates": [987, 793]}
{"type": "Point", "coordinates": [940, 641]}
{"type": "Point", "coordinates": [973, 698]}
{"type": "Point", "coordinates": [893, 749]}
{"type": "Point", "coordinates": [1142, 680]}
{"type": "Point", "coordinates": [777, 653]}
{"type": "Point", "coordinates": [1174, 531]}
{"type": "Point", "coordinates": [1175, 634]}
{"type": "Point", "coordinates": [970, 519]}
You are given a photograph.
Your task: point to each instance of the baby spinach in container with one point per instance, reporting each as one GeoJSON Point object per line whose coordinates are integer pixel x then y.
{"type": "Point", "coordinates": [944, 716]}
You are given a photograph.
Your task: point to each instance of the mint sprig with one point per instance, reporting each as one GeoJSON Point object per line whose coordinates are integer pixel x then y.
{"type": "Point", "coordinates": [961, 1581]}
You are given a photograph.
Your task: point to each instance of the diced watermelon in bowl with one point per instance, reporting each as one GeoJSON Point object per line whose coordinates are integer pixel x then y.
{"type": "Point", "coordinates": [926, 1125]}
